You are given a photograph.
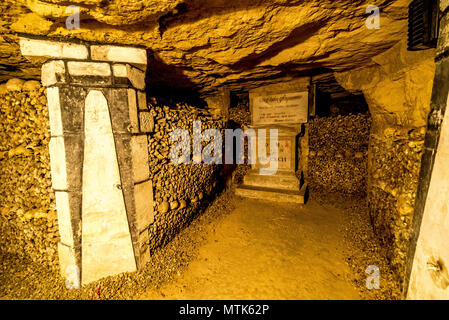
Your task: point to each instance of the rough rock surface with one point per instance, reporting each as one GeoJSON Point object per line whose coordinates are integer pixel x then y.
{"type": "Point", "coordinates": [208, 44]}
{"type": "Point", "coordinates": [397, 87]}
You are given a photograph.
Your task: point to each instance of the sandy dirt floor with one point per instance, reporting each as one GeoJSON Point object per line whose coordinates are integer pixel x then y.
{"type": "Point", "coordinates": [238, 249]}
{"type": "Point", "coordinates": [263, 250]}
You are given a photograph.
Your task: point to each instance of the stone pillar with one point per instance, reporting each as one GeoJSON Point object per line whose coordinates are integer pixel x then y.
{"type": "Point", "coordinates": [284, 107]}
{"type": "Point", "coordinates": [98, 154]}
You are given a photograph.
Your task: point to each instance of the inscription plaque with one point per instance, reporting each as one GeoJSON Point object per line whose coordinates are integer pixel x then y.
{"type": "Point", "coordinates": [283, 108]}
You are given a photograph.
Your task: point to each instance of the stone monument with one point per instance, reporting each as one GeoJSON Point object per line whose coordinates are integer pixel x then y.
{"type": "Point", "coordinates": [283, 107]}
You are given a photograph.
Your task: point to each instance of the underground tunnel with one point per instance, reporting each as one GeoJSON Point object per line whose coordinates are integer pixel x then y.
{"type": "Point", "coordinates": [274, 150]}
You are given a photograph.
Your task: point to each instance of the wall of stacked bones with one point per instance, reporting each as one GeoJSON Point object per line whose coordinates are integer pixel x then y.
{"type": "Point", "coordinates": [394, 162]}
{"type": "Point", "coordinates": [338, 153]}
{"type": "Point", "coordinates": [180, 191]}
{"type": "Point", "coordinates": [28, 220]}
{"type": "Point", "coordinates": [347, 155]}
{"type": "Point", "coordinates": [344, 155]}
{"type": "Point", "coordinates": [28, 213]}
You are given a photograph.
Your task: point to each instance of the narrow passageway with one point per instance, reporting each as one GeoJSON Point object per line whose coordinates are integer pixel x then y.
{"type": "Point", "coordinates": [264, 250]}
{"type": "Point", "coordinates": [141, 143]}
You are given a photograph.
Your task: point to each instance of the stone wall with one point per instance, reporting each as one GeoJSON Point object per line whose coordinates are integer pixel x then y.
{"type": "Point", "coordinates": [397, 87]}
{"type": "Point", "coordinates": [28, 221]}
{"type": "Point", "coordinates": [180, 191]}
{"type": "Point", "coordinates": [338, 153]}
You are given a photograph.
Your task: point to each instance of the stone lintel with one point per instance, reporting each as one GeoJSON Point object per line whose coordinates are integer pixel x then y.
{"type": "Point", "coordinates": [98, 74]}
{"type": "Point", "coordinates": [52, 49]}
{"type": "Point", "coordinates": [134, 56]}
{"type": "Point", "coordinates": [94, 69]}
{"type": "Point", "coordinates": [77, 68]}
{"type": "Point", "coordinates": [55, 49]}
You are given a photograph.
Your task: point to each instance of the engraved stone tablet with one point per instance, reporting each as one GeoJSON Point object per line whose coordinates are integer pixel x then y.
{"type": "Point", "coordinates": [283, 108]}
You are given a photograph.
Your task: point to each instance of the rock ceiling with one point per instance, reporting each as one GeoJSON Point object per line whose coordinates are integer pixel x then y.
{"type": "Point", "coordinates": [208, 44]}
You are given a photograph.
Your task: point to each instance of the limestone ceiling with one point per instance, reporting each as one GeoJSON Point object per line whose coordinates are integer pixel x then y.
{"type": "Point", "coordinates": [207, 44]}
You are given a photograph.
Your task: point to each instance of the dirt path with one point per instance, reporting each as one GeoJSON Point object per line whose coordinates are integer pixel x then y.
{"type": "Point", "coordinates": [238, 249]}
{"type": "Point", "coordinates": [263, 250]}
